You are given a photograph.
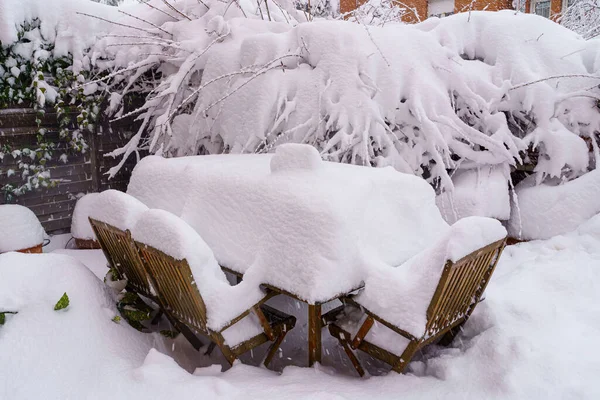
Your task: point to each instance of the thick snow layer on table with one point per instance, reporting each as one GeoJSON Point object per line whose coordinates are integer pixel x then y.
{"type": "Point", "coordinates": [80, 224]}
{"type": "Point", "coordinates": [171, 235]}
{"type": "Point", "coordinates": [479, 192]}
{"type": "Point", "coordinates": [70, 353]}
{"type": "Point", "coordinates": [543, 293]}
{"type": "Point", "coordinates": [543, 211]}
{"type": "Point", "coordinates": [19, 228]}
{"type": "Point", "coordinates": [311, 231]}
{"type": "Point", "coordinates": [163, 184]}
{"type": "Point", "coordinates": [117, 209]}
{"type": "Point", "coordinates": [401, 295]}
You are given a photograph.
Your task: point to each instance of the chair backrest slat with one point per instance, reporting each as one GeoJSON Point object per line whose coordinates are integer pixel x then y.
{"type": "Point", "coordinates": [460, 288]}
{"type": "Point", "coordinates": [123, 256]}
{"type": "Point", "coordinates": [176, 288]}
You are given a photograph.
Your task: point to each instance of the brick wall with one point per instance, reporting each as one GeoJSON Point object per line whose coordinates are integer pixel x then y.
{"type": "Point", "coordinates": [421, 6]}
{"type": "Point", "coordinates": [488, 5]}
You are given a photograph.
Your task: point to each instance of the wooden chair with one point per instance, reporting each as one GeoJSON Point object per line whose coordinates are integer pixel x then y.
{"type": "Point", "coordinates": [458, 292]}
{"type": "Point", "coordinates": [175, 285]}
{"type": "Point", "coordinates": [123, 256]}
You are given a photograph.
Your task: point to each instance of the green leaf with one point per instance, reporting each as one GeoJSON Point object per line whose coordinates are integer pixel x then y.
{"type": "Point", "coordinates": [135, 315]}
{"type": "Point", "coordinates": [62, 303]}
{"type": "Point", "coordinates": [116, 319]}
{"type": "Point", "coordinates": [2, 318]}
{"type": "Point", "coordinates": [169, 334]}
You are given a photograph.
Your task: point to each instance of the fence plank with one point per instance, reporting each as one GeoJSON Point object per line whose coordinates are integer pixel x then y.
{"type": "Point", "coordinates": [80, 174]}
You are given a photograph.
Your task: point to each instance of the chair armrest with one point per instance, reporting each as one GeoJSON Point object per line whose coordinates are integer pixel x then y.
{"type": "Point", "coordinates": [256, 309]}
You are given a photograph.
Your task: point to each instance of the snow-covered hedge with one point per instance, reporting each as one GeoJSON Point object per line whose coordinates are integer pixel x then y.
{"type": "Point", "coordinates": [474, 90]}
{"type": "Point", "coordinates": [430, 98]}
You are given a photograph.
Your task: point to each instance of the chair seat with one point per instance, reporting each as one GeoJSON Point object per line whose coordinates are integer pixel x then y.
{"type": "Point", "coordinates": [279, 321]}
{"type": "Point", "coordinates": [351, 317]}
{"type": "Point", "coordinates": [250, 329]}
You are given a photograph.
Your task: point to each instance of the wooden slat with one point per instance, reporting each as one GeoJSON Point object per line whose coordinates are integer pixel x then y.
{"type": "Point", "coordinates": [124, 257]}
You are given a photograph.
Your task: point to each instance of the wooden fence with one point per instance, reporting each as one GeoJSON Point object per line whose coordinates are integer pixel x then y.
{"type": "Point", "coordinates": [80, 174]}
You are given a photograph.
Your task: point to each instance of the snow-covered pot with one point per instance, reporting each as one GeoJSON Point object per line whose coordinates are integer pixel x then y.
{"type": "Point", "coordinates": [80, 224]}
{"type": "Point", "coordinates": [20, 230]}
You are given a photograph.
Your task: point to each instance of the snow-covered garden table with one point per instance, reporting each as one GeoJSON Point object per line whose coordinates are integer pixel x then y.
{"type": "Point", "coordinates": [304, 227]}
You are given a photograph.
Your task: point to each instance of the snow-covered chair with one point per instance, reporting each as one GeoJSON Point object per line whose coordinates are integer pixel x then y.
{"type": "Point", "coordinates": [112, 216]}
{"type": "Point", "coordinates": [195, 291]}
{"type": "Point", "coordinates": [425, 300]}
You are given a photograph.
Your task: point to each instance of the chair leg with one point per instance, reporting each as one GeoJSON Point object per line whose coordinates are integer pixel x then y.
{"type": "Point", "coordinates": [447, 339]}
{"type": "Point", "coordinates": [229, 355]}
{"type": "Point", "coordinates": [273, 348]}
{"type": "Point", "coordinates": [405, 358]}
{"type": "Point", "coordinates": [157, 317]}
{"type": "Point", "coordinates": [210, 348]}
{"type": "Point", "coordinates": [352, 357]}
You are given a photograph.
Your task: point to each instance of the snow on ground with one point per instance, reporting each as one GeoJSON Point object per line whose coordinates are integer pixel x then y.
{"type": "Point", "coordinates": [60, 241]}
{"type": "Point", "coordinates": [71, 351]}
{"type": "Point", "coordinates": [94, 260]}
{"type": "Point", "coordinates": [546, 210]}
{"type": "Point", "coordinates": [481, 191]}
{"type": "Point", "coordinates": [533, 337]}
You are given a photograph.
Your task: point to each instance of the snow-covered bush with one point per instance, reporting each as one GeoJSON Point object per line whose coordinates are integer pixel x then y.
{"type": "Point", "coordinates": [430, 98]}
{"type": "Point", "coordinates": [583, 17]}
{"type": "Point", "coordinates": [381, 12]}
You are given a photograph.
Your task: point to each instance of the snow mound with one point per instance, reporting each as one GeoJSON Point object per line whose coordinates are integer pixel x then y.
{"type": "Point", "coordinates": [543, 293]}
{"type": "Point", "coordinates": [171, 235]}
{"type": "Point", "coordinates": [19, 228]}
{"type": "Point", "coordinates": [295, 156]}
{"type": "Point", "coordinates": [80, 224]}
{"type": "Point", "coordinates": [479, 192]}
{"type": "Point", "coordinates": [50, 352]}
{"type": "Point", "coordinates": [117, 209]}
{"type": "Point", "coordinates": [299, 228]}
{"type": "Point", "coordinates": [93, 259]}
{"type": "Point", "coordinates": [401, 295]}
{"type": "Point", "coordinates": [548, 210]}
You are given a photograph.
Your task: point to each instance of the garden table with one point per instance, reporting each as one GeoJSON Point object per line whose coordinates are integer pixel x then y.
{"type": "Point", "coordinates": [315, 322]}
{"type": "Point", "coordinates": [307, 227]}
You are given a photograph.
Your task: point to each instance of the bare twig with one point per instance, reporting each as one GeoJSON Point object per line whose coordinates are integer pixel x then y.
{"type": "Point", "coordinates": [256, 74]}
{"type": "Point", "coordinates": [113, 74]}
{"type": "Point", "coordinates": [267, 7]}
{"type": "Point", "coordinates": [147, 22]}
{"type": "Point", "coordinates": [176, 10]}
{"type": "Point", "coordinates": [554, 77]}
{"type": "Point", "coordinates": [117, 23]}
{"type": "Point", "coordinates": [138, 37]}
{"type": "Point", "coordinates": [158, 9]}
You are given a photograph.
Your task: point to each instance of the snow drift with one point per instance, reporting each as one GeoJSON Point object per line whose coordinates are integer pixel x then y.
{"type": "Point", "coordinates": [542, 295]}
{"type": "Point", "coordinates": [47, 352]}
